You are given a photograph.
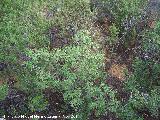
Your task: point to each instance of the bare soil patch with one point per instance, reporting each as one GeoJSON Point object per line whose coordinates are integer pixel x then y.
{"type": "Point", "coordinates": [56, 38]}
{"type": "Point", "coordinates": [117, 71]}
{"type": "Point", "coordinates": [1, 82]}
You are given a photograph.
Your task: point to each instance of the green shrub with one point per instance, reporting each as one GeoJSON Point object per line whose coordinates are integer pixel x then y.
{"type": "Point", "coordinates": [73, 71]}
{"type": "Point", "coordinates": [71, 16]}
{"type": "Point", "coordinates": [3, 91]}
{"type": "Point", "coordinates": [37, 102]}
{"type": "Point", "coordinates": [3, 94]}
{"type": "Point", "coordinates": [114, 31]}
{"type": "Point", "coordinates": [125, 9]}
{"type": "Point", "coordinates": [145, 75]}
{"type": "Point", "coordinates": [145, 78]}
{"type": "Point", "coordinates": [124, 16]}
{"type": "Point", "coordinates": [157, 28]}
{"type": "Point", "coordinates": [76, 70]}
{"type": "Point", "coordinates": [144, 82]}
{"type": "Point", "coordinates": [153, 103]}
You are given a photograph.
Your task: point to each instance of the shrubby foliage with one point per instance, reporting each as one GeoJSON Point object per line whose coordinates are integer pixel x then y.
{"type": "Point", "coordinates": [3, 91]}
{"type": "Point", "coordinates": [76, 70]}
{"type": "Point", "coordinates": [127, 16]}
{"type": "Point", "coordinates": [73, 71]}
{"type": "Point", "coordinates": [125, 11]}
{"type": "Point", "coordinates": [145, 78]}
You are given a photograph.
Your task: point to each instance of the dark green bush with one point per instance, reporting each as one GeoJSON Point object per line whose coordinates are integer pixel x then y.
{"type": "Point", "coordinates": [125, 16]}
{"type": "Point", "coordinates": [145, 77]}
